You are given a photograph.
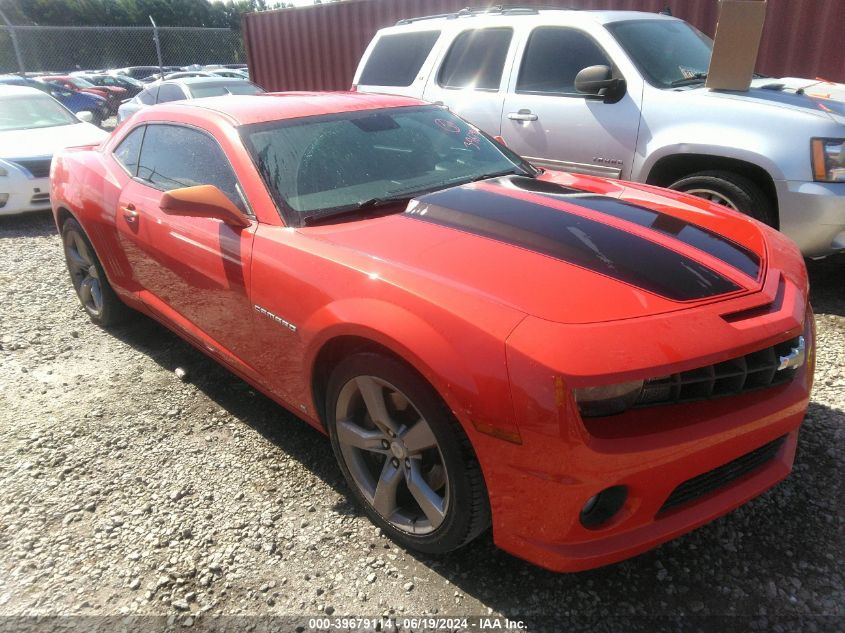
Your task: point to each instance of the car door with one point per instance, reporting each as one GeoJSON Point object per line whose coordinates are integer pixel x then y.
{"type": "Point", "coordinates": [193, 271]}
{"type": "Point", "coordinates": [469, 77]}
{"type": "Point", "coordinates": [549, 123]}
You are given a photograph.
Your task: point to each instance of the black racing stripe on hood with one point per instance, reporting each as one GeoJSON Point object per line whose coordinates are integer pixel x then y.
{"type": "Point", "coordinates": [733, 254]}
{"type": "Point", "coordinates": [574, 239]}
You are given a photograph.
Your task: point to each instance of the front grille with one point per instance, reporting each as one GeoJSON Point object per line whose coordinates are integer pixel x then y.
{"type": "Point", "coordinates": [699, 486]}
{"type": "Point", "coordinates": [38, 167]}
{"type": "Point", "coordinates": [40, 198]}
{"type": "Point", "coordinates": [758, 370]}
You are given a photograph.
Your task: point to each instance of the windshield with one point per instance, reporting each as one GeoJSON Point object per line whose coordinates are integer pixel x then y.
{"type": "Point", "coordinates": [319, 165]}
{"type": "Point", "coordinates": [668, 52]}
{"type": "Point", "coordinates": [79, 82]}
{"type": "Point", "coordinates": [28, 112]}
{"type": "Point", "coordinates": [215, 90]}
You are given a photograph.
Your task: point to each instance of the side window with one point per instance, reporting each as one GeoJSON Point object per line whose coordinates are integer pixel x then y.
{"type": "Point", "coordinates": [396, 59]}
{"type": "Point", "coordinates": [148, 96]}
{"type": "Point", "coordinates": [552, 59]}
{"type": "Point", "coordinates": [476, 60]}
{"type": "Point", "coordinates": [130, 147]}
{"type": "Point", "coordinates": [175, 156]}
{"type": "Point", "coordinates": [170, 92]}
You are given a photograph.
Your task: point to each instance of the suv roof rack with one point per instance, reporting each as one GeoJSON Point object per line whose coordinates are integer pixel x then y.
{"type": "Point", "coordinates": [468, 12]}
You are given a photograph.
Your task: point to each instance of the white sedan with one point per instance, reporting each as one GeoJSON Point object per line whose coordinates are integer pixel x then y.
{"type": "Point", "coordinates": [33, 126]}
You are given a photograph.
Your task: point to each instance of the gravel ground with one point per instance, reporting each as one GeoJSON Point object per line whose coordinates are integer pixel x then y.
{"type": "Point", "coordinates": [124, 490]}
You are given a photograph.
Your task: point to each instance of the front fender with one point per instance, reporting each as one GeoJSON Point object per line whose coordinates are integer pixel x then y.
{"type": "Point", "coordinates": [655, 151]}
{"type": "Point", "coordinates": [468, 368]}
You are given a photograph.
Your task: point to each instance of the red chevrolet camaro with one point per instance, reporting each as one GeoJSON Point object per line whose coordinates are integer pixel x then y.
{"type": "Point", "coordinates": [592, 366]}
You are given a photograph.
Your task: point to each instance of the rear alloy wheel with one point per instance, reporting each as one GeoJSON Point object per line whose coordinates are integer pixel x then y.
{"type": "Point", "coordinates": [730, 190]}
{"type": "Point", "coordinates": [93, 289]}
{"type": "Point", "coordinates": [404, 455]}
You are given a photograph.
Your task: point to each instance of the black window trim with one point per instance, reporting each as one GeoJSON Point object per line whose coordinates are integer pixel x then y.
{"type": "Point", "coordinates": [241, 192]}
{"type": "Point", "coordinates": [438, 75]}
{"type": "Point", "coordinates": [615, 72]}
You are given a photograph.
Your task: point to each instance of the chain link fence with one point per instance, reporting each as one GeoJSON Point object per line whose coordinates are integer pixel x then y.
{"type": "Point", "coordinates": [60, 49]}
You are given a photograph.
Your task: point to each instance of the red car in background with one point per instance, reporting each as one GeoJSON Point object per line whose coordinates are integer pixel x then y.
{"type": "Point", "coordinates": [113, 95]}
{"type": "Point", "coordinates": [593, 366]}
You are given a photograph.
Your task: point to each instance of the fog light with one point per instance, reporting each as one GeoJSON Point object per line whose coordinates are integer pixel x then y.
{"type": "Point", "coordinates": [600, 508]}
{"type": "Point", "coordinates": [3, 198]}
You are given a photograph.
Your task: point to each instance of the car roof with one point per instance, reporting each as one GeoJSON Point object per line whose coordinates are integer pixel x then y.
{"type": "Point", "coordinates": [190, 81]}
{"type": "Point", "coordinates": [522, 16]}
{"type": "Point", "coordinates": [274, 106]}
{"type": "Point", "coordinates": [10, 90]}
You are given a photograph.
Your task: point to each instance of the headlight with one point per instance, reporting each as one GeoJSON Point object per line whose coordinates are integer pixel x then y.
{"type": "Point", "coordinates": [828, 159]}
{"type": "Point", "coordinates": [3, 170]}
{"type": "Point", "coordinates": [608, 400]}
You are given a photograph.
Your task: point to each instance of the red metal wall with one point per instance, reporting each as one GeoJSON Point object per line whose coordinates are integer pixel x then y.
{"type": "Point", "coordinates": [318, 47]}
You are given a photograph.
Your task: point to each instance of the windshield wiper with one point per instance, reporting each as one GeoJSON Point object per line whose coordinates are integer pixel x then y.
{"type": "Point", "coordinates": [499, 174]}
{"type": "Point", "coordinates": [697, 77]}
{"type": "Point", "coordinates": [364, 207]}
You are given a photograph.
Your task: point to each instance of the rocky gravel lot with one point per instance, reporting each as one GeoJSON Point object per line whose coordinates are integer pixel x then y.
{"type": "Point", "coordinates": [125, 490]}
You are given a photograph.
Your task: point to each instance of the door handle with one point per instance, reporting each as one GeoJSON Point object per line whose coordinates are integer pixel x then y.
{"type": "Point", "coordinates": [130, 213]}
{"type": "Point", "coordinates": [522, 115]}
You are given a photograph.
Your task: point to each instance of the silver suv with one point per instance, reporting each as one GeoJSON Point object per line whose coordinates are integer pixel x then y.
{"type": "Point", "coordinates": [621, 94]}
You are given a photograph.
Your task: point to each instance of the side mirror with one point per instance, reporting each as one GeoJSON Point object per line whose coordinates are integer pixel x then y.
{"type": "Point", "coordinates": [599, 81]}
{"type": "Point", "coordinates": [203, 201]}
{"type": "Point", "coordinates": [85, 116]}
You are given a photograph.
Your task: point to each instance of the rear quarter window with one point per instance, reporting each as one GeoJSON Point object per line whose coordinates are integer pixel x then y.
{"type": "Point", "coordinates": [148, 96]}
{"type": "Point", "coordinates": [130, 147]}
{"type": "Point", "coordinates": [396, 59]}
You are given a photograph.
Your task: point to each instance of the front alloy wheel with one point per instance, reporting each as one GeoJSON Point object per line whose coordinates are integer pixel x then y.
{"type": "Point", "coordinates": [404, 455]}
{"type": "Point", "coordinates": [392, 454]}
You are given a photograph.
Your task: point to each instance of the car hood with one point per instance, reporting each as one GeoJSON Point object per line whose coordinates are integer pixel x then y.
{"type": "Point", "coordinates": [565, 248]}
{"type": "Point", "coordinates": [48, 140]}
{"type": "Point", "coordinates": [813, 96]}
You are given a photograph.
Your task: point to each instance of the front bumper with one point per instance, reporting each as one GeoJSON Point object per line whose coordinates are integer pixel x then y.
{"type": "Point", "coordinates": [23, 194]}
{"type": "Point", "coordinates": [547, 530]}
{"type": "Point", "coordinates": [812, 214]}
{"type": "Point", "coordinates": [538, 488]}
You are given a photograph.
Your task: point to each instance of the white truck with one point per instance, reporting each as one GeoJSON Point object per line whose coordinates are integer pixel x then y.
{"type": "Point", "coordinates": [621, 94]}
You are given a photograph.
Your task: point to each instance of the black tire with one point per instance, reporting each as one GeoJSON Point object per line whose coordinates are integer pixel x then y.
{"type": "Point", "coordinates": [467, 513]}
{"type": "Point", "coordinates": [727, 188]}
{"type": "Point", "coordinates": [99, 301]}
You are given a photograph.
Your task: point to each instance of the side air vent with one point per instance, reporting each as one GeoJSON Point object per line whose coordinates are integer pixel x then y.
{"type": "Point", "coordinates": [752, 313]}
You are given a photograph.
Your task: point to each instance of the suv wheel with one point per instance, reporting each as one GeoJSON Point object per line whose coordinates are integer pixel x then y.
{"type": "Point", "coordinates": [729, 190]}
{"type": "Point", "coordinates": [404, 456]}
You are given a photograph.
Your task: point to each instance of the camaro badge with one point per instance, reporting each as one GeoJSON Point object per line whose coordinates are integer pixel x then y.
{"type": "Point", "coordinates": [795, 358]}
{"type": "Point", "coordinates": [276, 318]}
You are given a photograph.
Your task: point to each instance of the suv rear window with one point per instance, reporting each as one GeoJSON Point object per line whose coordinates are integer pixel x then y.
{"type": "Point", "coordinates": [476, 59]}
{"type": "Point", "coordinates": [396, 59]}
